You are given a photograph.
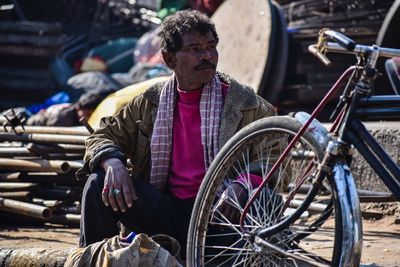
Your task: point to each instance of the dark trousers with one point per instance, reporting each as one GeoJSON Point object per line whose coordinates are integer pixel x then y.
{"type": "Point", "coordinates": [152, 213]}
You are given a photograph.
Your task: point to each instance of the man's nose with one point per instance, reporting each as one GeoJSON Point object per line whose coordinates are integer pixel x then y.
{"type": "Point", "coordinates": [205, 54]}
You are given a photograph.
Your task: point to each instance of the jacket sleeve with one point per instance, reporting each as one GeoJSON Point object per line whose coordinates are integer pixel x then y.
{"type": "Point", "coordinates": [115, 138]}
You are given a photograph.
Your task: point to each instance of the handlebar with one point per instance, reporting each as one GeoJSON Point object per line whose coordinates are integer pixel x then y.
{"type": "Point", "coordinates": [343, 44]}
{"type": "Point", "coordinates": [341, 39]}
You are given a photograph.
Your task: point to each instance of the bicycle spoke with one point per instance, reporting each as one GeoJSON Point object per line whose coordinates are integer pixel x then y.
{"type": "Point", "coordinates": [224, 250]}
{"type": "Point", "coordinates": [223, 242]}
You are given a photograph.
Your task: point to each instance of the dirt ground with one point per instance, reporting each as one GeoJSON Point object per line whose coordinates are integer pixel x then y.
{"type": "Point", "coordinates": [381, 243]}
{"type": "Point", "coordinates": [55, 237]}
{"type": "Point", "coordinates": [381, 246]}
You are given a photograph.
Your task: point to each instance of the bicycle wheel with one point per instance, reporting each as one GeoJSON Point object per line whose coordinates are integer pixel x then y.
{"type": "Point", "coordinates": [216, 240]}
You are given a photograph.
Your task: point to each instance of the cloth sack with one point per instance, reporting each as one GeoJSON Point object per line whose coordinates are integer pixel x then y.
{"type": "Point", "coordinates": [143, 251]}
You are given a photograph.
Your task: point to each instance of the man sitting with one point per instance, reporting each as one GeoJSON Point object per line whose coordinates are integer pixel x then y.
{"type": "Point", "coordinates": [171, 133]}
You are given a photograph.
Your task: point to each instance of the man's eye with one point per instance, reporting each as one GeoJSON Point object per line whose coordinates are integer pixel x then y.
{"type": "Point", "coordinates": [194, 49]}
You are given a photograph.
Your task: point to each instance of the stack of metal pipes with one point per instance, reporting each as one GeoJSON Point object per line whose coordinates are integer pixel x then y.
{"type": "Point", "coordinates": [37, 172]}
{"type": "Point", "coordinates": [358, 19]}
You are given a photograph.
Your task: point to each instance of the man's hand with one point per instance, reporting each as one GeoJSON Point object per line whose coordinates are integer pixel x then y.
{"type": "Point", "coordinates": [230, 204]}
{"type": "Point", "coordinates": [118, 190]}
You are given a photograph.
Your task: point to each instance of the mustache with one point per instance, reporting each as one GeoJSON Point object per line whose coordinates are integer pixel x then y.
{"type": "Point", "coordinates": [205, 65]}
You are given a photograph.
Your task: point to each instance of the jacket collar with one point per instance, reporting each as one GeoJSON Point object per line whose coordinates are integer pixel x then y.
{"type": "Point", "coordinates": [153, 93]}
{"type": "Point", "coordinates": [239, 98]}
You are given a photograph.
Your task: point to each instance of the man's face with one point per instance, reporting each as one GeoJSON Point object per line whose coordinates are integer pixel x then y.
{"type": "Point", "coordinates": [195, 64]}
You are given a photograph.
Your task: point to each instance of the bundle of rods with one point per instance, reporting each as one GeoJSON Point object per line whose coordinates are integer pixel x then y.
{"type": "Point", "coordinates": [306, 79]}
{"type": "Point", "coordinates": [37, 172]}
{"type": "Point", "coordinates": [354, 18]}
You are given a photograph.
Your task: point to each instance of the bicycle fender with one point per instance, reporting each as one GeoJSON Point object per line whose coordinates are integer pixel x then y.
{"type": "Point", "coordinates": [351, 215]}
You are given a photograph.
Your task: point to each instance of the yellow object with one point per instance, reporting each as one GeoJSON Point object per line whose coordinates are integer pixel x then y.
{"type": "Point", "coordinates": [116, 101]}
{"type": "Point", "coordinates": [93, 64]}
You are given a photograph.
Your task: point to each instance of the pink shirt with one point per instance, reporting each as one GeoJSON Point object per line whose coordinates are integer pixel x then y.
{"type": "Point", "coordinates": [187, 168]}
{"type": "Point", "coordinates": [187, 164]}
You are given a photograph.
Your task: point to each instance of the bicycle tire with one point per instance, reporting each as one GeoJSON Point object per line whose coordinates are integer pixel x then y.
{"type": "Point", "coordinates": [209, 247]}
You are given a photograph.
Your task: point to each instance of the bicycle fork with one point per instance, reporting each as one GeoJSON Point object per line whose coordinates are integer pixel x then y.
{"type": "Point", "coordinates": [335, 164]}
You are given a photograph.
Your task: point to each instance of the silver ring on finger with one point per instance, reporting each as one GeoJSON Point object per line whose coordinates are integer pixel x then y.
{"type": "Point", "coordinates": [116, 191]}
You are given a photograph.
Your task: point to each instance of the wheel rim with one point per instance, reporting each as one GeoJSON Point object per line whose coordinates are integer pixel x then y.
{"type": "Point", "coordinates": [219, 241]}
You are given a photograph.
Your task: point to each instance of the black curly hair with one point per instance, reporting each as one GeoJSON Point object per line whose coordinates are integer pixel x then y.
{"type": "Point", "coordinates": [181, 22]}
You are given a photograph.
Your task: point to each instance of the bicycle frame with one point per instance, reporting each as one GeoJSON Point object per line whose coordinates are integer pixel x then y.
{"type": "Point", "coordinates": [372, 152]}
{"type": "Point", "coordinates": [280, 226]}
{"type": "Point", "coordinates": [365, 105]}
{"type": "Point", "coordinates": [349, 131]}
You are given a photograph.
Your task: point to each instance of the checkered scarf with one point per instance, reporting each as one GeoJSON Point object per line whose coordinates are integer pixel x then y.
{"type": "Point", "coordinates": [161, 142]}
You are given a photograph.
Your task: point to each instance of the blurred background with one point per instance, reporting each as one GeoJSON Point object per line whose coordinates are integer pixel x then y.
{"type": "Point", "coordinates": [45, 45]}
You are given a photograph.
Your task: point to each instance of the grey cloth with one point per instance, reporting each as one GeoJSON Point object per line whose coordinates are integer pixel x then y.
{"type": "Point", "coordinates": [140, 72]}
{"type": "Point", "coordinates": [143, 251]}
{"type": "Point", "coordinates": [93, 81]}
{"type": "Point", "coordinates": [64, 116]}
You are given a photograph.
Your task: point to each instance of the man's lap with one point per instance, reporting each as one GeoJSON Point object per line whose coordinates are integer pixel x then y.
{"type": "Point", "coordinates": [155, 212]}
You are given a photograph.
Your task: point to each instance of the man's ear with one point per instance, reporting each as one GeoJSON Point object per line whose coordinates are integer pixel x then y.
{"type": "Point", "coordinates": [169, 59]}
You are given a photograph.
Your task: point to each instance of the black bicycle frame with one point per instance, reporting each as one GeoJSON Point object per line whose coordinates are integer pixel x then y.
{"type": "Point", "coordinates": [355, 133]}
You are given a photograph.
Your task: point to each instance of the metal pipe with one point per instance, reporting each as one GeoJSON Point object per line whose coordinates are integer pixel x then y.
{"type": "Point", "coordinates": [60, 148]}
{"type": "Point", "coordinates": [80, 130]}
{"type": "Point", "coordinates": [10, 177]}
{"type": "Point", "coordinates": [9, 152]}
{"type": "Point", "coordinates": [45, 153]}
{"type": "Point", "coordinates": [55, 193]}
{"type": "Point", "coordinates": [65, 219]}
{"type": "Point", "coordinates": [18, 195]}
{"type": "Point", "coordinates": [64, 156]}
{"type": "Point", "coordinates": [22, 152]}
{"type": "Point", "coordinates": [44, 138]}
{"type": "Point", "coordinates": [68, 179]}
{"type": "Point", "coordinates": [75, 164]}
{"type": "Point", "coordinates": [17, 186]}
{"type": "Point", "coordinates": [35, 165]}
{"type": "Point", "coordinates": [23, 208]}
{"type": "Point", "coordinates": [313, 208]}
{"type": "Point", "coordinates": [376, 199]}
{"type": "Point", "coordinates": [71, 209]}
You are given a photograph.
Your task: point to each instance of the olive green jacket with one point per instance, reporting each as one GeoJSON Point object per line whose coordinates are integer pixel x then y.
{"type": "Point", "coordinates": [128, 133]}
